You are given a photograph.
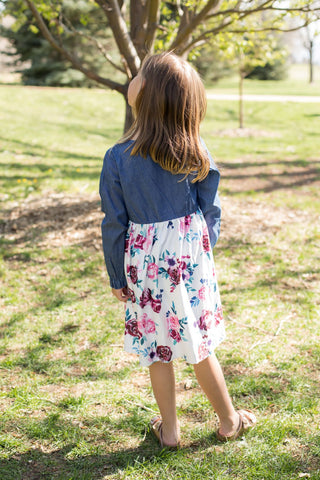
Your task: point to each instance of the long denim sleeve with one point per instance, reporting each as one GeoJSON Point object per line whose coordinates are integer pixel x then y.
{"type": "Point", "coordinates": [138, 189]}
{"type": "Point", "coordinates": [209, 203]}
{"type": "Point", "coordinates": [115, 223]}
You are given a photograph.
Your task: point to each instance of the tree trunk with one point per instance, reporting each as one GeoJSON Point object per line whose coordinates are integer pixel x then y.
{"type": "Point", "coordinates": [129, 117]}
{"type": "Point", "coordinates": [241, 114]}
{"type": "Point", "coordinates": [311, 62]}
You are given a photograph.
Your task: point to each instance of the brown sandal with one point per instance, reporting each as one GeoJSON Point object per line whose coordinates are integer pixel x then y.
{"type": "Point", "coordinates": [247, 420]}
{"type": "Point", "coordinates": [156, 428]}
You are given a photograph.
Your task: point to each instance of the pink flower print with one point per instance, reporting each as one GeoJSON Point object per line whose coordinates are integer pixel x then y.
{"type": "Point", "coordinates": [206, 242]}
{"type": "Point", "coordinates": [164, 353]}
{"type": "Point", "coordinates": [151, 326]}
{"type": "Point", "coordinates": [183, 265]}
{"type": "Point", "coordinates": [156, 304]}
{"type": "Point", "coordinates": [152, 270]}
{"type": "Point", "coordinates": [133, 273]}
{"type": "Point", "coordinates": [173, 323]}
{"type": "Point", "coordinates": [203, 350]}
{"type": "Point", "coordinates": [147, 324]}
{"type": "Point", "coordinates": [133, 329]}
{"type": "Point", "coordinates": [145, 297]}
{"type": "Point", "coordinates": [202, 293]}
{"type": "Point", "coordinates": [174, 274]}
{"type": "Point", "coordinates": [185, 224]}
{"type": "Point", "coordinates": [140, 240]}
{"type": "Point", "coordinates": [126, 245]}
{"type": "Point", "coordinates": [149, 239]}
{"type": "Point", "coordinates": [187, 220]}
{"type": "Point", "coordinates": [218, 316]}
{"type": "Point", "coordinates": [205, 320]}
{"type": "Point", "coordinates": [185, 273]}
{"type": "Point", "coordinates": [132, 295]}
{"type": "Point", "coordinates": [175, 335]}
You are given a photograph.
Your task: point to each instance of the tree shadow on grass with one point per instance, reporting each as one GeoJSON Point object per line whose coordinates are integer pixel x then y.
{"type": "Point", "coordinates": [250, 177]}
{"type": "Point", "coordinates": [34, 150]}
{"type": "Point", "coordinates": [285, 164]}
{"type": "Point", "coordinates": [34, 222]}
{"type": "Point", "coordinates": [36, 464]}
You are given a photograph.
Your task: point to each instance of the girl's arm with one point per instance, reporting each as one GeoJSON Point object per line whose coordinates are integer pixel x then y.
{"type": "Point", "coordinates": [115, 223]}
{"type": "Point", "coordinates": [208, 199]}
{"type": "Point", "coordinates": [209, 203]}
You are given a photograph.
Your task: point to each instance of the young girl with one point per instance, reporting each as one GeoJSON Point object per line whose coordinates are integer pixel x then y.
{"type": "Point", "coordinates": [158, 190]}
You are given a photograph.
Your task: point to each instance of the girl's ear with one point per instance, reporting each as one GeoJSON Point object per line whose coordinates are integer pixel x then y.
{"type": "Point", "coordinates": [135, 86]}
{"type": "Point", "coordinates": [143, 82]}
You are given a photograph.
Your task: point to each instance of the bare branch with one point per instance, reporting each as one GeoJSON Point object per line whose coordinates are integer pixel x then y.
{"type": "Point", "coordinates": [138, 24]}
{"type": "Point", "coordinates": [266, 6]}
{"type": "Point", "coordinates": [184, 33]}
{"type": "Point", "coordinates": [269, 29]}
{"type": "Point", "coordinates": [201, 39]}
{"type": "Point", "coordinates": [208, 33]}
{"type": "Point", "coordinates": [96, 42]}
{"type": "Point", "coordinates": [153, 19]}
{"type": "Point", "coordinates": [76, 63]}
{"type": "Point", "coordinates": [121, 35]}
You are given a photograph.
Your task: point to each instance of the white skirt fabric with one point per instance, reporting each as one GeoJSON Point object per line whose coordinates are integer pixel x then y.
{"type": "Point", "coordinates": [174, 309]}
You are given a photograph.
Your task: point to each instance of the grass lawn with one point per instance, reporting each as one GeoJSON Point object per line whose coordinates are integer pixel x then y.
{"type": "Point", "coordinates": [296, 83]}
{"type": "Point", "coordinates": [73, 405]}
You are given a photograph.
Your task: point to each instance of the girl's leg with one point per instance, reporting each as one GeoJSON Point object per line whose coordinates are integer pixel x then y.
{"type": "Point", "coordinates": [211, 380]}
{"type": "Point", "coordinates": [163, 385]}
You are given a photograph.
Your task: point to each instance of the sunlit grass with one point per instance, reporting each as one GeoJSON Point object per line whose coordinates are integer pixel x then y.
{"type": "Point", "coordinates": [73, 405]}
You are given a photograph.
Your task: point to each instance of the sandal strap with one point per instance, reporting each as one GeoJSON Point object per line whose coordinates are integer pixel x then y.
{"type": "Point", "coordinates": [156, 427]}
{"type": "Point", "coordinates": [247, 420]}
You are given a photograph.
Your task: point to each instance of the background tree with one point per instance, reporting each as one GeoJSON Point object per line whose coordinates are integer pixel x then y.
{"type": "Point", "coordinates": [136, 28]}
{"type": "Point", "coordinates": [309, 34]}
{"type": "Point", "coordinates": [43, 64]}
{"type": "Point", "coordinates": [248, 51]}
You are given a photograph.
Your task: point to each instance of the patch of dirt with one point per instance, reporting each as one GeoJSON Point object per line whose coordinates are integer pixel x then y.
{"type": "Point", "coordinates": [244, 220]}
{"type": "Point", "coordinates": [54, 220]}
{"type": "Point", "coordinates": [58, 220]}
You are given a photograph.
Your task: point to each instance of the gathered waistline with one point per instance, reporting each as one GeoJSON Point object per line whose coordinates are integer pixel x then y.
{"type": "Point", "coordinates": [197, 212]}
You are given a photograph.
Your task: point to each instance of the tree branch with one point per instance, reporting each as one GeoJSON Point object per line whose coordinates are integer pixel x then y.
{"type": "Point", "coordinates": [96, 42]}
{"type": "Point", "coordinates": [269, 29]}
{"type": "Point", "coordinates": [153, 19]}
{"type": "Point", "coordinates": [184, 33]}
{"type": "Point", "coordinates": [203, 36]}
{"type": "Point", "coordinates": [121, 35]}
{"type": "Point", "coordinates": [264, 7]}
{"type": "Point", "coordinates": [76, 63]}
{"type": "Point", "coordinates": [138, 25]}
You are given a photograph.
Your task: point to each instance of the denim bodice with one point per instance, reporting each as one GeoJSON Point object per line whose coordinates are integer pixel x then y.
{"type": "Point", "coordinates": [134, 188]}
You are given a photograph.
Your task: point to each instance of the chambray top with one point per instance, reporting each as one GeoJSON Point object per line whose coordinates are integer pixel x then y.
{"type": "Point", "coordinates": [134, 188]}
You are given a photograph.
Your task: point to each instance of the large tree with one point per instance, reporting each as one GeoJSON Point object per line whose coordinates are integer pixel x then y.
{"type": "Point", "coordinates": [141, 26]}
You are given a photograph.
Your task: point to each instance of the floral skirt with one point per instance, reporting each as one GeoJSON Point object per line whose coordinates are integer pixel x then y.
{"type": "Point", "coordinates": [174, 309]}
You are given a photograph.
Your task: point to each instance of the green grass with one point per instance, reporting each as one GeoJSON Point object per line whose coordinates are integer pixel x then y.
{"type": "Point", "coordinates": [73, 405]}
{"type": "Point", "coordinates": [296, 83]}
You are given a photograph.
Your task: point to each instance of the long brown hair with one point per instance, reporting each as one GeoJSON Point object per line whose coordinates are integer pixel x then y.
{"type": "Point", "coordinates": [168, 111]}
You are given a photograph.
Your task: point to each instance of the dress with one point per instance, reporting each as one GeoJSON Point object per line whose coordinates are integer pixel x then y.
{"type": "Point", "coordinates": [174, 310]}
{"type": "Point", "coordinates": [158, 233]}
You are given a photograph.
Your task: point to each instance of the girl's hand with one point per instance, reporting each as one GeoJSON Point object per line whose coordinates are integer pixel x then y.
{"type": "Point", "coordinates": [121, 293]}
